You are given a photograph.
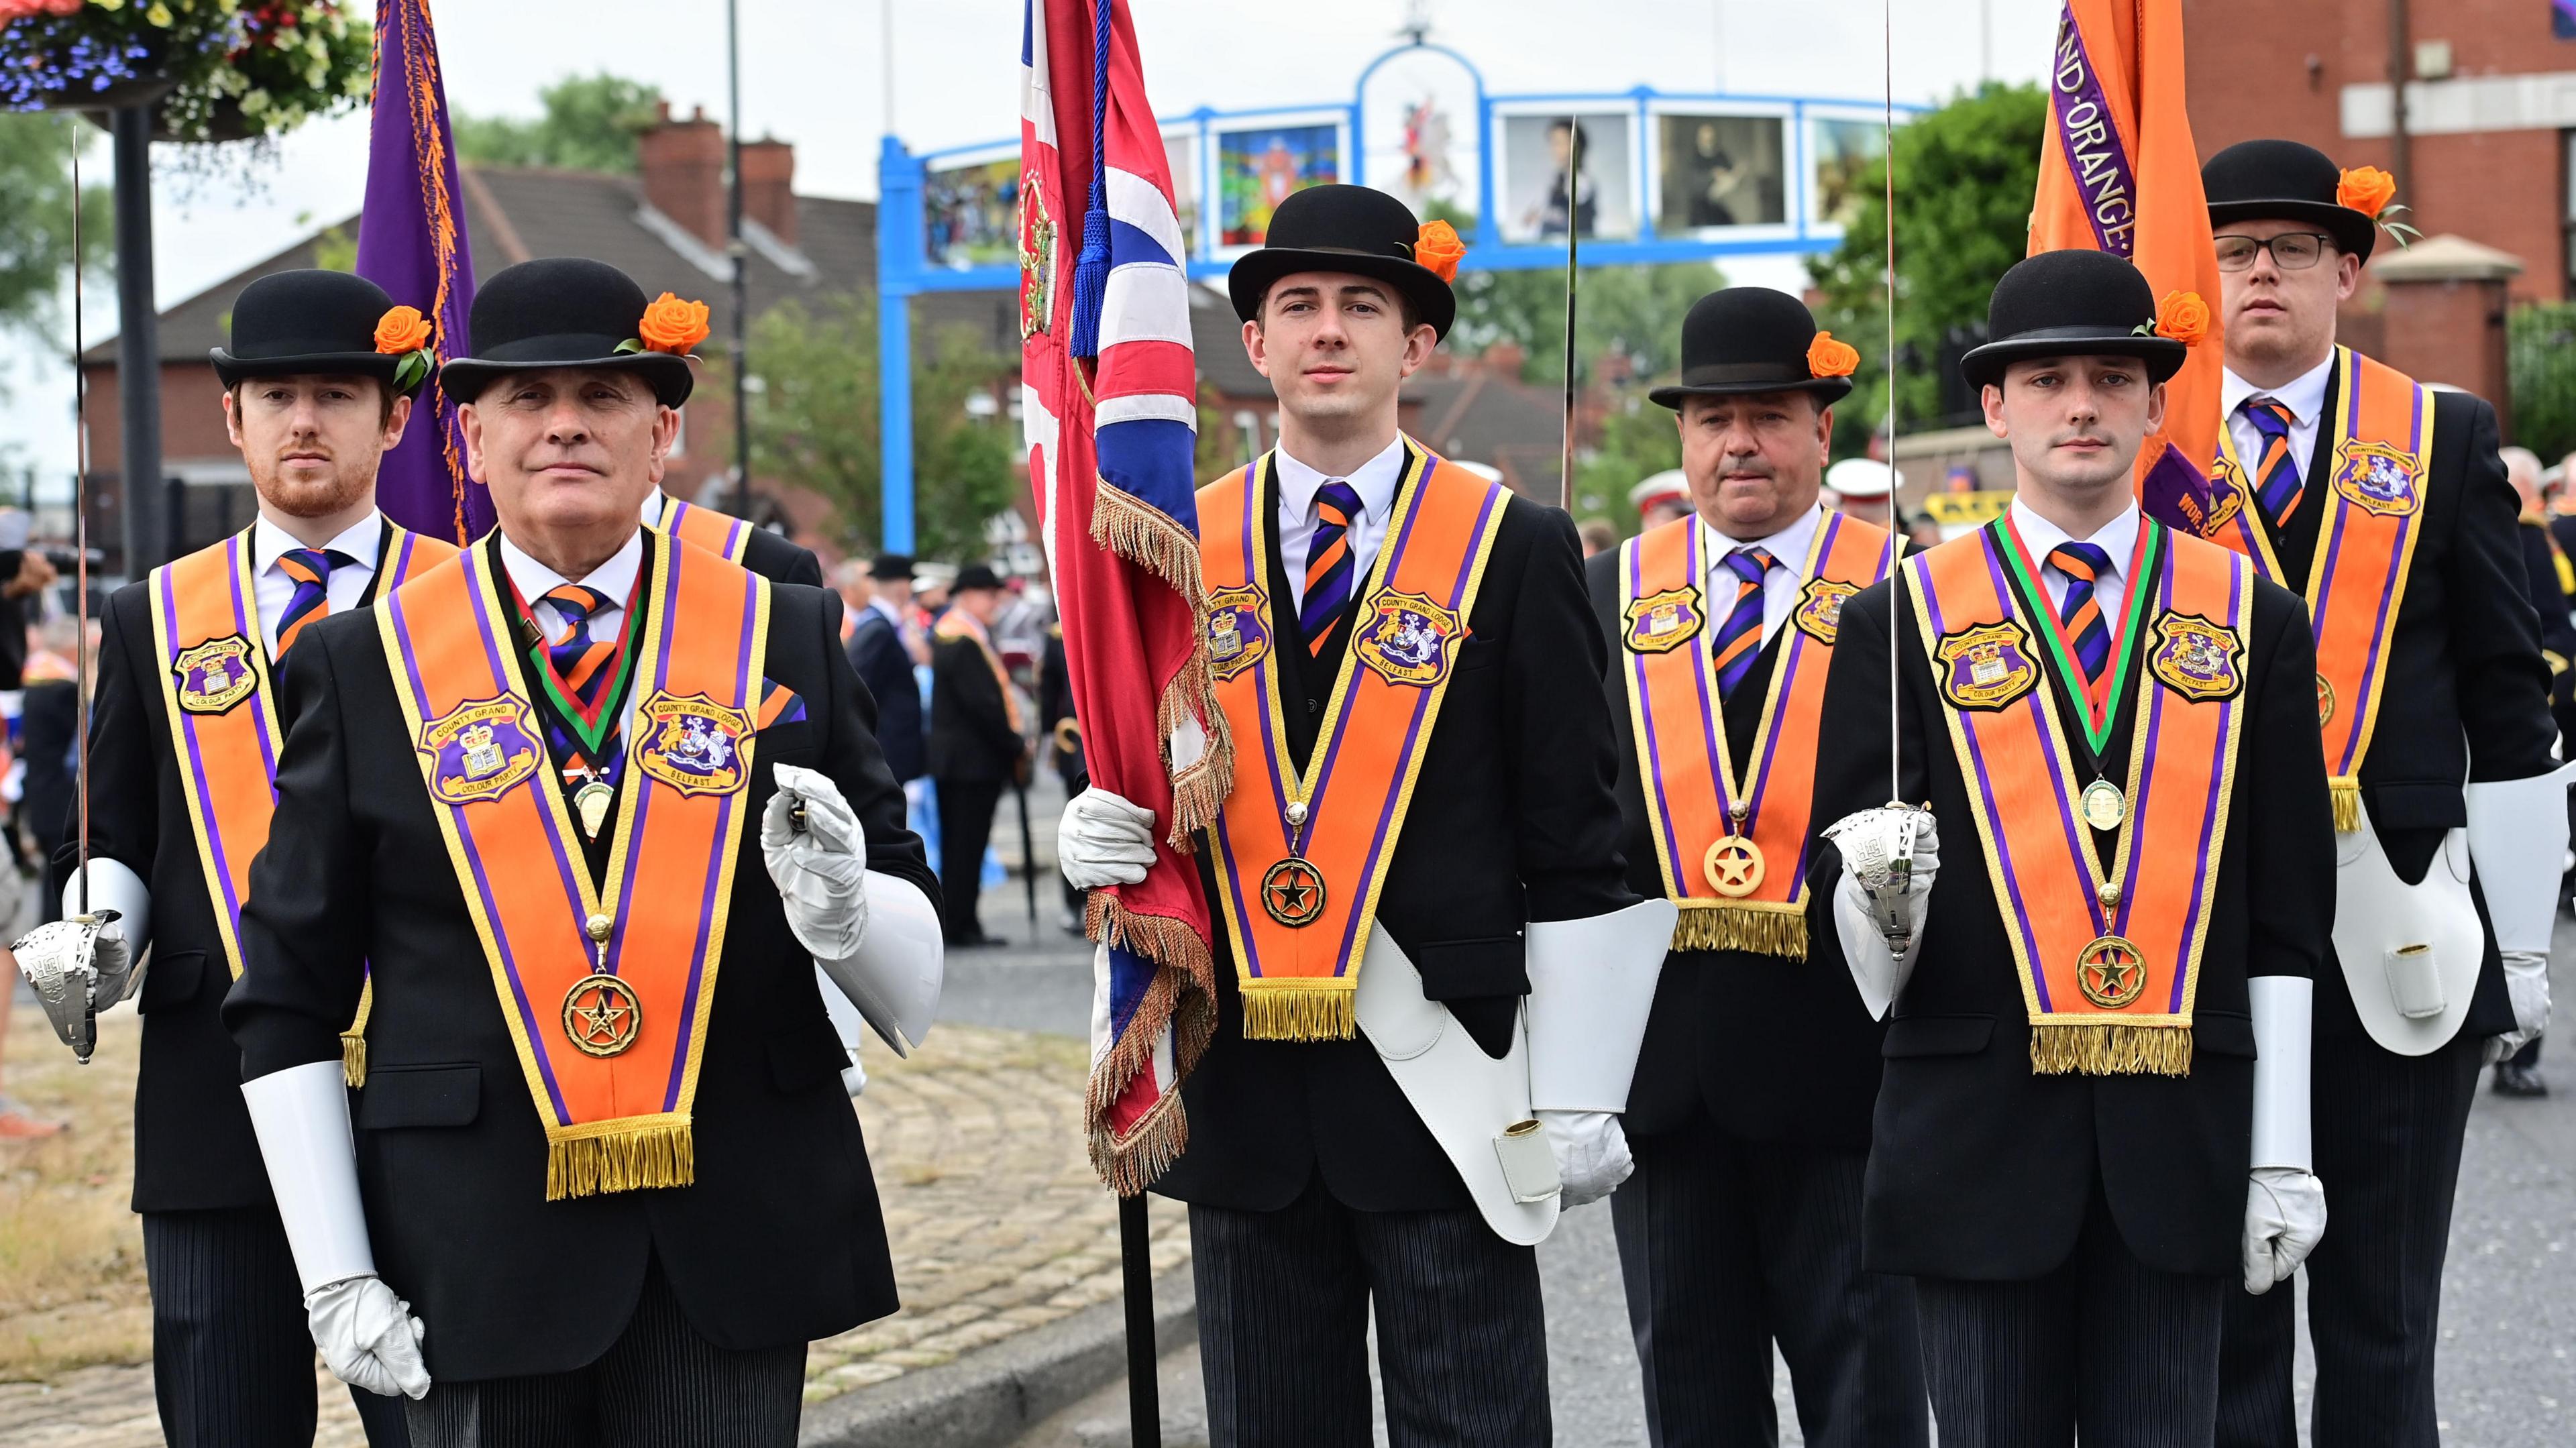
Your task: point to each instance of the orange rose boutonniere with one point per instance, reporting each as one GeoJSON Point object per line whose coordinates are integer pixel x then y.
{"type": "Point", "coordinates": [2373, 193]}
{"type": "Point", "coordinates": [404, 332]}
{"type": "Point", "coordinates": [2183, 317]}
{"type": "Point", "coordinates": [1439, 248]}
{"type": "Point", "coordinates": [1829, 358]}
{"type": "Point", "coordinates": [669, 325]}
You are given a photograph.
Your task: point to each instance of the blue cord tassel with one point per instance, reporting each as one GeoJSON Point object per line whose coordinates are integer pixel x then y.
{"type": "Point", "coordinates": [1091, 268]}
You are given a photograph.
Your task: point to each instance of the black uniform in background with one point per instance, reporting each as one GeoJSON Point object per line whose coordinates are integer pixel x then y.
{"type": "Point", "coordinates": [974, 753]}
{"type": "Point", "coordinates": [1063, 736]}
{"type": "Point", "coordinates": [885, 666]}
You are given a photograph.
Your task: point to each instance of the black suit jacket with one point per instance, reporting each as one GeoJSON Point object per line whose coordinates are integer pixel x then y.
{"type": "Point", "coordinates": [1980, 1169]}
{"type": "Point", "coordinates": [971, 737]}
{"type": "Point", "coordinates": [778, 1241]}
{"type": "Point", "coordinates": [1767, 1048]}
{"type": "Point", "coordinates": [877, 652]}
{"type": "Point", "coordinates": [780, 559]}
{"type": "Point", "coordinates": [193, 1147]}
{"type": "Point", "coordinates": [2467, 694]}
{"type": "Point", "coordinates": [2557, 629]}
{"type": "Point", "coordinates": [1512, 821]}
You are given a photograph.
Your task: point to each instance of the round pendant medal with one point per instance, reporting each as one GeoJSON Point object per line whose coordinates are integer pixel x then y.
{"type": "Point", "coordinates": [1734, 867]}
{"type": "Point", "coordinates": [591, 803]}
{"type": "Point", "coordinates": [601, 1015]}
{"type": "Point", "coordinates": [1293, 892]}
{"type": "Point", "coordinates": [2111, 972]}
{"type": "Point", "coordinates": [2105, 808]}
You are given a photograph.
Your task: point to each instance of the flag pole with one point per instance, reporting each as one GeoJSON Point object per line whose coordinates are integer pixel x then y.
{"type": "Point", "coordinates": [1135, 1262]}
{"type": "Point", "coordinates": [1895, 540]}
{"type": "Point", "coordinates": [1573, 169]}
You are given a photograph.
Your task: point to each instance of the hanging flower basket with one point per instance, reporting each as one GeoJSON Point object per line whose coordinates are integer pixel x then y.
{"type": "Point", "coordinates": [215, 70]}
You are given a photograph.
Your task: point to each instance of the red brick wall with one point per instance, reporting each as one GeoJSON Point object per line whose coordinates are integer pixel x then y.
{"type": "Point", "coordinates": [192, 416]}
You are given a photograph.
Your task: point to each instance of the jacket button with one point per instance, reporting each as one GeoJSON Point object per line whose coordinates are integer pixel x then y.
{"type": "Point", "coordinates": [1314, 706]}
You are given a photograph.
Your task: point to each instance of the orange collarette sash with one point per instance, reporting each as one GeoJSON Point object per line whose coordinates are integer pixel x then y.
{"type": "Point", "coordinates": [607, 984]}
{"type": "Point", "coordinates": [2383, 425]}
{"type": "Point", "coordinates": [217, 690]}
{"type": "Point", "coordinates": [1300, 857]}
{"type": "Point", "coordinates": [721, 534]}
{"type": "Point", "coordinates": [2109, 965]}
{"type": "Point", "coordinates": [1732, 839]}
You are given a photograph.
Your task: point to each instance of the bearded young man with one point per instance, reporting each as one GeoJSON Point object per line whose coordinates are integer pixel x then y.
{"type": "Point", "coordinates": [318, 382]}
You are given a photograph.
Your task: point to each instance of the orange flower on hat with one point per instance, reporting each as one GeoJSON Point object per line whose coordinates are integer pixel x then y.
{"type": "Point", "coordinates": [2183, 317]}
{"type": "Point", "coordinates": [401, 330]}
{"type": "Point", "coordinates": [1829, 358]}
{"type": "Point", "coordinates": [2366, 189]}
{"type": "Point", "coordinates": [1439, 248]}
{"type": "Point", "coordinates": [672, 325]}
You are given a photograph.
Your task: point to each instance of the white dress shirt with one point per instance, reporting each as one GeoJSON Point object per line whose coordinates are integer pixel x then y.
{"type": "Point", "coordinates": [654, 502]}
{"type": "Point", "coordinates": [1374, 481]}
{"type": "Point", "coordinates": [2119, 538]}
{"type": "Point", "coordinates": [346, 585]}
{"type": "Point", "coordinates": [2305, 396]}
{"type": "Point", "coordinates": [1780, 587]}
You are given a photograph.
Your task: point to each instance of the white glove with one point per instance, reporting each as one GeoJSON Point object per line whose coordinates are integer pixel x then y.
{"type": "Point", "coordinates": [368, 1336]}
{"type": "Point", "coordinates": [2526, 980]}
{"type": "Point", "coordinates": [1591, 1154]}
{"type": "Point", "coordinates": [2285, 1214]}
{"type": "Point", "coordinates": [817, 861]}
{"type": "Point", "coordinates": [77, 968]}
{"type": "Point", "coordinates": [1872, 902]}
{"type": "Point", "coordinates": [1103, 840]}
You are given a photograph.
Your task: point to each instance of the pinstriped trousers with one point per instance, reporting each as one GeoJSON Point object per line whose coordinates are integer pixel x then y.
{"type": "Point", "coordinates": [1284, 1301]}
{"type": "Point", "coordinates": [232, 1359]}
{"type": "Point", "coordinates": [660, 1385]}
{"type": "Point", "coordinates": [2104, 1345]}
{"type": "Point", "coordinates": [1726, 1245]}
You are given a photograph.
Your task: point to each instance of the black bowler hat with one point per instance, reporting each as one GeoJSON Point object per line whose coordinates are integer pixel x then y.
{"type": "Point", "coordinates": [2285, 181]}
{"type": "Point", "coordinates": [891, 566]}
{"type": "Point", "coordinates": [307, 323]}
{"type": "Point", "coordinates": [2073, 303]}
{"type": "Point", "coordinates": [975, 575]}
{"type": "Point", "coordinates": [562, 311]}
{"type": "Point", "coordinates": [1343, 229]}
{"type": "Point", "coordinates": [1750, 339]}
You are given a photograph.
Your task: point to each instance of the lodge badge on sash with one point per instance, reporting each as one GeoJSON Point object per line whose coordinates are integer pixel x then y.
{"type": "Point", "coordinates": [1988, 666]}
{"type": "Point", "coordinates": [1820, 609]}
{"type": "Point", "coordinates": [601, 1015]}
{"type": "Point", "coordinates": [1408, 639]}
{"type": "Point", "coordinates": [2325, 701]}
{"type": "Point", "coordinates": [1236, 640]}
{"type": "Point", "coordinates": [2377, 478]}
{"type": "Point", "coordinates": [481, 749]}
{"type": "Point", "coordinates": [2196, 658]}
{"type": "Point", "coordinates": [1292, 891]}
{"type": "Point", "coordinates": [2111, 972]}
{"type": "Point", "coordinates": [1662, 622]}
{"type": "Point", "coordinates": [693, 744]}
{"type": "Point", "coordinates": [215, 675]}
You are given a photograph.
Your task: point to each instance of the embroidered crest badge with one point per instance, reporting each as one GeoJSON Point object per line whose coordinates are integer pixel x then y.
{"type": "Point", "coordinates": [1235, 638]}
{"type": "Point", "coordinates": [482, 749]}
{"type": "Point", "coordinates": [215, 675]}
{"type": "Point", "coordinates": [2377, 478]}
{"type": "Point", "coordinates": [1662, 622]}
{"type": "Point", "coordinates": [1408, 639]}
{"type": "Point", "coordinates": [1988, 666]}
{"type": "Point", "coordinates": [694, 744]}
{"type": "Point", "coordinates": [2196, 658]}
{"type": "Point", "coordinates": [1820, 608]}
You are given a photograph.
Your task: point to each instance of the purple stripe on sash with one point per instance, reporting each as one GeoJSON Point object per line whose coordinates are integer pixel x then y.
{"type": "Point", "coordinates": [724, 821]}
{"type": "Point", "coordinates": [1760, 783]}
{"type": "Point", "coordinates": [2052, 750]}
{"type": "Point", "coordinates": [1394, 546]}
{"type": "Point", "coordinates": [2388, 590]}
{"type": "Point", "coordinates": [246, 623]}
{"type": "Point", "coordinates": [2091, 144]}
{"type": "Point", "coordinates": [1712, 717]}
{"type": "Point", "coordinates": [1652, 768]}
{"type": "Point", "coordinates": [1247, 954]}
{"type": "Point", "coordinates": [2147, 763]}
{"type": "Point", "coordinates": [2201, 873]}
{"type": "Point", "coordinates": [187, 723]}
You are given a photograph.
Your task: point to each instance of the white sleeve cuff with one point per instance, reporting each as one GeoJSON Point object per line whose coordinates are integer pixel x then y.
{"type": "Point", "coordinates": [2282, 1006]}
{"type": "Point", "coordinates": [301, 1115]}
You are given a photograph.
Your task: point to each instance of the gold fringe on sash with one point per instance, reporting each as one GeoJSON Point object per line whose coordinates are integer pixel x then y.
{"type": "Point", "coordinates": [1301, 1013]}
{"type": "Point", "coordinates": [1765, 927]}
{"type": "Point", "coordinates": [2345, 790]}
{"type": "Point", "coordinates": [1183, 993]}
{"type": "Point", "coordinates": [2062, 1049]}
{"type": "Point", "coordinates": [621, 1159]}
{"type": "Point", "coordinates": [353, 1058]}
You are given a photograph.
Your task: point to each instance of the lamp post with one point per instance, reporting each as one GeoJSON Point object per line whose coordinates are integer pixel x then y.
{"type": "Point", "coordinates": [138, 342]}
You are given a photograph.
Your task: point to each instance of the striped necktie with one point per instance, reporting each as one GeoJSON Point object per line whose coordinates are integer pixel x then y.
{"type": "Point", "coordinates": [1740, 639]}
{"type": "Point", "coordinates": [311, 570]}
{"type": "Point", "coordinates": [2277, 483]}
{"type": "Point", "coordinates": [2083, 565]}
{"type": "Point", "coordinates": [580, 665]}
{"type": "Point", "coordinates": [1328, 564]}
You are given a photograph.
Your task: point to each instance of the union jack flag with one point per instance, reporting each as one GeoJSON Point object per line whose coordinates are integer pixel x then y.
{"type": "Point", "coordinates": [1108, 391]}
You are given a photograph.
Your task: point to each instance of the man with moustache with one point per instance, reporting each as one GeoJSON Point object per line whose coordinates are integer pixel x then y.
{"type": "Point", "coordinates": [318, 383]}
{"type": "Point", "coordinates": [604, 1144]}
{"type": "Point", "coordinates": [1749, 1117]}
{"type": "Point", "coordinates": [2385, 504]}
{"type": "Point", "coordinates": [2094, 1119]}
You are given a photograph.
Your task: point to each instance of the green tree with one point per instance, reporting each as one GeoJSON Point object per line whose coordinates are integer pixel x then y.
{"type": "Point", "coordinates": [590, 124]}
{"type": "Point", "coordinates": [36, 224]}
{"type": "Point", "coordinates": [1965, 176]}
{"type": "Point", "coordinates": [814, 423]}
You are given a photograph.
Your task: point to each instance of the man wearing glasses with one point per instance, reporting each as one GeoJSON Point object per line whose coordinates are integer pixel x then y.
{"type": "Point", "coordinates": [2386, 505]}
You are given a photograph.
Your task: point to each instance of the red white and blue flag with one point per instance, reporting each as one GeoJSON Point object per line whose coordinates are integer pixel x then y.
{"type": "Point", "coordinates": [1109, 391]}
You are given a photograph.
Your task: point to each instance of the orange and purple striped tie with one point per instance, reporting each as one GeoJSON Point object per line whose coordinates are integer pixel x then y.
{"type": "Point", "coordinates": [2083, 565]}
{"type": "Point", "coordinates": [2277, 483]}
{"type": "Point", "coordinates": [1740, 639]}
{"type": "Point", "coordinates": [579, 664]}
{"type": "Point", "coordinates": [1328, 564]}
{"type": "Point", "coordinates": [311, 570]}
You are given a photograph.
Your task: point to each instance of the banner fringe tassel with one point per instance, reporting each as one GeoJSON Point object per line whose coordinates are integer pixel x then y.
{"type": "Point", "coordinates": [1146, 536]}
{"type": "Point", "coordinates": [2058, 1049]}
{"type": "Point", "coordinates": [1183, 994]}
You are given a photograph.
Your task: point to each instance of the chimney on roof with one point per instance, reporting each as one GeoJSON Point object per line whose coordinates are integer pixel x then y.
{"type": "Point", "coordinates": [769, 186]}
{"type": "Point", "coordinates": [682, 165]}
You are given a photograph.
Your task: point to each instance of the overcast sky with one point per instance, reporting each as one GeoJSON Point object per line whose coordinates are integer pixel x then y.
{"type": "Point", "coordinates": [814, 73]}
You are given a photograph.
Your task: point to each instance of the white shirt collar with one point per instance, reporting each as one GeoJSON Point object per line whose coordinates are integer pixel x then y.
{"type": "Point", "coordinates": [1373, 480]}
{"type": "Point", "coordinates": [2304, 395]}
{"type": "Point", "coordinates": [2119, 537]}
{"type": "Point", "coordinates": [654, 502]}
{"type": "Point", "coordinates": [359, 541]}
{"type": "Point", "coordinates": [1788, 547]}
{"type": "Point", "coordinates": [878, 602]}
{"type": "Point", "coordinates": [615, 578]}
